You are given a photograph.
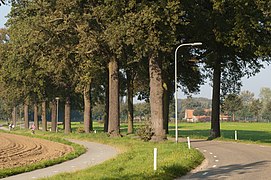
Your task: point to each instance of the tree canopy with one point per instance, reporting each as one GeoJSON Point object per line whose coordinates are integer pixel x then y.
{"type": "Point", "coordinates": [97, 50]}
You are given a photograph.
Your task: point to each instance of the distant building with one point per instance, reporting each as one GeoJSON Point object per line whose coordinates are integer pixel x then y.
{"type": "Point", "coordinates": [190, 117]}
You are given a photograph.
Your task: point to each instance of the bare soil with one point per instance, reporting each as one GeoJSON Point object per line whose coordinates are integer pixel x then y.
{"type": "Point", "coordinates": [18, 150]}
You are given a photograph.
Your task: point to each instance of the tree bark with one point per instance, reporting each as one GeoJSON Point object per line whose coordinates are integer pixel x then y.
{"type": "Point", "coordinates": [36, 118]}
{"type": "Point", "coordinates": [215, 121]}
{"type": "Point", "coordinates": [156, 98]}
{"type": "Point", "coordinates": [114, 121]}
{"type": "Point", "coordinates": [166, 109]}
{"type": "Point", "coordinates": [26, 119]}
{"type": "Point", "coordinates": [53, 116]}
{"type": "Point", "coordinates": [87, 110]}
{"type": "Point", "coordinates": [14, 116]}
{"type": "Point", "coordinates": [106, 114]}
{"type": "Point", "coordinates": [43, 116]}
{"type": "Point", "coordinates": [67, 116]}
{"type": "Point", "coordinates": [130, 95]}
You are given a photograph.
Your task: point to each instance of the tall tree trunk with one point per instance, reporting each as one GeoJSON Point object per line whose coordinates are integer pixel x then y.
{"type": "Point", "coordinates": [26, 119]}
{"type": "Point", "coordinates": [36, 117]}
{"type": "Point", "coordinates": [215, 121]}
{"type": "Point", "coordinates": [114, 121]}
{"type": "Point", "coordinates": [156, 98]}
{"type": "Point", "coordinates": [14, 116]}
{"type": "Point", "coordinates": [43, 116]}
{"type": "Point", "coordinates": [53, 116]}
{"type": "Point", "coordinates": [87, 109]}
{"type": "Point", "coordinates": [106, 114]}
{"type": "Point", "coordinates": [130, 95]}
{"type": "Point", "coordinates": [166, 109]}
{"type": "Point", "coordinates": [67, 115]}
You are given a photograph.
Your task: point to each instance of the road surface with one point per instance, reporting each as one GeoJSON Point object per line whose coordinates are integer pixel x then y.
{"type": "Point", "coordinates": [232, 161]}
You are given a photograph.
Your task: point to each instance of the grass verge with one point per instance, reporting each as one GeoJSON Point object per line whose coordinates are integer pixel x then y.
{"type": "Point", "coordinates": [136, 159]}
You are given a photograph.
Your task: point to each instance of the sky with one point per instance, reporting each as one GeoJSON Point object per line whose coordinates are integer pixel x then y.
{"type": "Point", "coordinates": [253, 84]}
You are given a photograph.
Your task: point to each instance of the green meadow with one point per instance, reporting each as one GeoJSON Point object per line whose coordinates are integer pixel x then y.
{"type": "Point", "coordinates": [135, 160]}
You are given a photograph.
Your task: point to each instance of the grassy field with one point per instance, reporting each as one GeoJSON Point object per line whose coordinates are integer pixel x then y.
{"type": "Point", "coordinates": [252, 132]}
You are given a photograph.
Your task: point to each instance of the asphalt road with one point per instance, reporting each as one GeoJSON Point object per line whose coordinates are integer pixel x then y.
{"type": "Point", "coordinates": [232, 161]}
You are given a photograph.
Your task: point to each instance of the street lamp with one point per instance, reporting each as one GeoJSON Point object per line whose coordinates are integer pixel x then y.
{"type": "Point", "coordinates": [57, 100]}
{"type": "Point", "coordinates": [176, 89]}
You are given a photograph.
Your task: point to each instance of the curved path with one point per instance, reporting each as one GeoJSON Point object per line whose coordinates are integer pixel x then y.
{"type": "Point", "coordinates": [96, 153]}
{"type": "Point", "coordinates": [231, 160]}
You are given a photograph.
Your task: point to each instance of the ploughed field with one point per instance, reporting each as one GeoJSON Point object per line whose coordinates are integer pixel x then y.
{"type": "Point", "coordinates": [18, 150]}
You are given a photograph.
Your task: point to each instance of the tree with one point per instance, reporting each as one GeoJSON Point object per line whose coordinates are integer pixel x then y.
{"type": "Point", "coordinates": [232, 104]}
{"type": "Point", "coordinates": [152, 32]}
{"type": "Point", "coordinates": [199, 112]}
{"type": "Point", "coordinates": [235, 36]}
{"type": "Point", "coordinates": [265, 99]}
{"type": "Point", "coordinates": [53, 106]}
{"type": "Point", "coordinates": [43, 116]}
{"type": "Point", "coordinates": [255, 108]}
{"type": "Point", "coordinates": [26, 120]}
{"type": "Point", "coordinates": [247, 99]}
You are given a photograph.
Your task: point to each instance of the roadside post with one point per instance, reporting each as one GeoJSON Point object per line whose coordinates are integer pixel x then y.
{"type": "Point", "coordinates": [155, 159]}
{"type": "Point", "coordinates": [188, 143]}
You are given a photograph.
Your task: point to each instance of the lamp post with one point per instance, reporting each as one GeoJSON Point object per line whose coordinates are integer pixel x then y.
{"type": "Point", "coordinates": [176, 88]}
{"type": "Point", "coordinates": [57, 101]}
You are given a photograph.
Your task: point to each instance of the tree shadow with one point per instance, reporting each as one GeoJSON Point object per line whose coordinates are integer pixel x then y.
{"type": "Point", "coordinates": [246, 135]}
{"type": "Point", "coordinates": [166, 173]}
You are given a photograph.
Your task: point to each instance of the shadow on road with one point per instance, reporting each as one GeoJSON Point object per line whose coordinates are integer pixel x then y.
{"type": "Point", "coordinates": [225, 171]}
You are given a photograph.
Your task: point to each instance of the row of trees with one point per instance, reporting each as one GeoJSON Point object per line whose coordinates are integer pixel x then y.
{"type": "Point", "coordinates": [95, 51]}
{"type": "Point", "coordinates": [246, 107]}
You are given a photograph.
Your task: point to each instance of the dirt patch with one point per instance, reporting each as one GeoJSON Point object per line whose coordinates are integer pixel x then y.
{"type": "Point", "coordinates": [18, 150]}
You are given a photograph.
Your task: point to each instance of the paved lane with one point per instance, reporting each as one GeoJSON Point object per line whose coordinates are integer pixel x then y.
{"type": "Point", "coordinates": [233, 161]}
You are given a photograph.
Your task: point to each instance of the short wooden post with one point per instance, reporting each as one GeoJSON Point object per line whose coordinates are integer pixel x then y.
{"type": "Point", "coordinates": [155, 159]}
{"type": "Point", "coordinates": [188, 143]}
{"type": "Point", "coordinates": [235, 135]}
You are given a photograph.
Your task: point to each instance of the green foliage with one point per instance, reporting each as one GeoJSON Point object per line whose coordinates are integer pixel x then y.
{"type": "Point", "coordinates": [199, 112]}
{"type": "Point", "coordinates": [232, 103]}
{"type": "Point", "coordinates": [142, 110]}
{"type": "Point", "coordinates": [58, 48]}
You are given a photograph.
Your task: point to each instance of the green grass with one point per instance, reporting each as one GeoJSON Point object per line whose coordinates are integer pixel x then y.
{"type": "Point", "coordinates": [136, 160]}
{"type": "Point", "coordinates": [248, 132]}
{"type": "Point", "coordinates": [78, 150]}
{"type": "Point", "coordinates": [174, 160]}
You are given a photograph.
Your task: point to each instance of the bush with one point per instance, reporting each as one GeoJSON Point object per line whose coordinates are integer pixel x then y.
{"type": "Point", "coordinates": [145, 132]}
{"type": "Point", "coordinates": [80, 130]}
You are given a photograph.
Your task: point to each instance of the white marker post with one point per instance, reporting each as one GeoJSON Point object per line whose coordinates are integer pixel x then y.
{"type": "Point", "coordinates": [235, 135]}
{"type": "Point", "coordinates": [155, 159]}
{"type": "Point", "coordinates": [188, 142]}
{"type": "Point", "coordinates": [95, 131]}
